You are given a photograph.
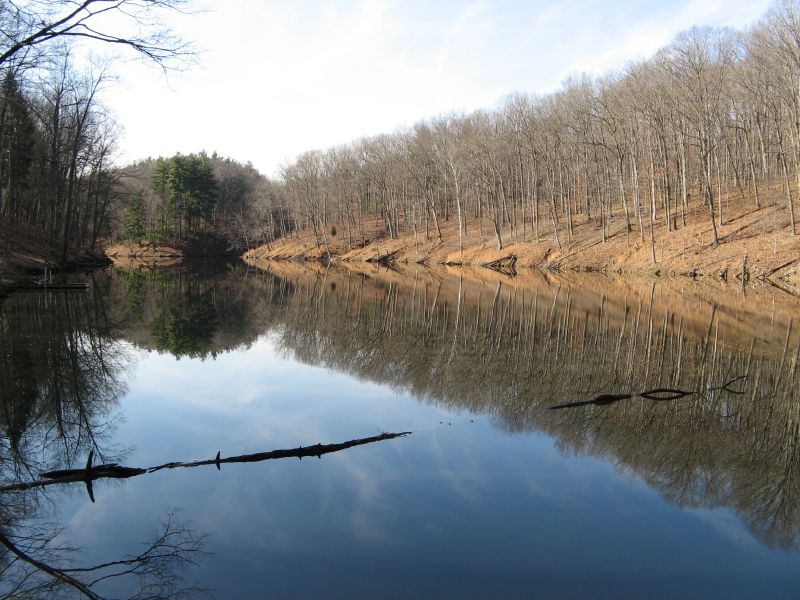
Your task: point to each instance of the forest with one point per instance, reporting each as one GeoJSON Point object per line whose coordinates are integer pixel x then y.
{"type": "Point", "coordinates": [665, 142]}
{"type": "Point", "coordinates": [57, 150]}
{"type": "Point", "coordinates": [186, 196]}
{"type": "Point", "coordinates": [59, 171]}
{"type": "Point", "coordinates": [710, 122]}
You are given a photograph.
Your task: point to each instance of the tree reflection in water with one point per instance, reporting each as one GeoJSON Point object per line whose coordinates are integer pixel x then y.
{"type": "Point", "coordinates": [61, 367]}
{"type": "Point", "coordinates": [509, 348]}
{"type": "Point", "coordinates": [512, 349]}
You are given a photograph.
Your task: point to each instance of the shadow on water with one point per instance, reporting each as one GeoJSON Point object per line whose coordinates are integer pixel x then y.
{"type": "Point", "coordinates": [602, 353]}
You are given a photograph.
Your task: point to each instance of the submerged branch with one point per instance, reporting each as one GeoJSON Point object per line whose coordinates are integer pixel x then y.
{"type": "Point", "coordinates": [656, 395]}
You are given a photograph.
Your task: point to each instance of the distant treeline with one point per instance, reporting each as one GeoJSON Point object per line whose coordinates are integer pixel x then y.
{"type": "Point", "coordinates": [653, 147]}
{"type": "Point", "coordinates": [714, 114]}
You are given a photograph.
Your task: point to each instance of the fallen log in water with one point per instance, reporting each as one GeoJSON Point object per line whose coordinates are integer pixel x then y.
{"type": "Point", "coordinates": [385, 260]}
{"type": "Point", "coordinates": [114, 471]}
{"type": "Point", "coordinates": [50, 287]}
{"type": "Point", "coordinates": [308, 451]}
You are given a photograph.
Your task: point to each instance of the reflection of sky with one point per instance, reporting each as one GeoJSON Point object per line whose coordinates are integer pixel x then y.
{"type": "Point", "coordinates": [458, 510]}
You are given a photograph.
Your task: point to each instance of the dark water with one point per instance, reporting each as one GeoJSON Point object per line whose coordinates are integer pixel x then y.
{"type": "Point", "coordinates": [493, 495]}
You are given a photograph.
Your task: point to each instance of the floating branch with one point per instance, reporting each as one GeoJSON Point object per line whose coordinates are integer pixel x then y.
{"type": "Point", "coordinates": [50, 287]}
{"type": "Point", "coordinates": [115, 471]}
{"type": "Point", "coordinates": [656, 395]}
{"type": "Point", "coordinates": [308, 451]}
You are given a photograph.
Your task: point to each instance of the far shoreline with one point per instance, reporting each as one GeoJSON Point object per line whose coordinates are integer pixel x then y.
{"type": "Point", "coordinates": [752, 248]}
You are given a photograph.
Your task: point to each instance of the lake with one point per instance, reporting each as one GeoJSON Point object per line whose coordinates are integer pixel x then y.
{"type": "Point", "coordinates": [573, 436]}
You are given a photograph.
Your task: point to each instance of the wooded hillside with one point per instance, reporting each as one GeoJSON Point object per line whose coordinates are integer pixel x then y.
{"type": "Point", "coordinates": [670, 142]}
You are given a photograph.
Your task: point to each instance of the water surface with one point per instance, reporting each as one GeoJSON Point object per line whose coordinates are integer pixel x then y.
{"type": "Point", "coordinates": [493, 494]}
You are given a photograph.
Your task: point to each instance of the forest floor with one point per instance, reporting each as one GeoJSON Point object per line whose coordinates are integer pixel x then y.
{"type": "Point", "coordinates": [754, 240]}
{"type": "Point", "coordinates": [25, 253]}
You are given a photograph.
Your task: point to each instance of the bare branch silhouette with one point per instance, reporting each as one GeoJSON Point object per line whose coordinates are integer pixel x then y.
{"type": "Point", "coordinates": [114, 471]}
{"type": "Point", "coordinates": [157, 568]}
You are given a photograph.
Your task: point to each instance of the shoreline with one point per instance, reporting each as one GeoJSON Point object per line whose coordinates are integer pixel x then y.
{"type": "Point", "coordinates": [27, 255]}
{"type": "Point", "coordinates": [754, 246]}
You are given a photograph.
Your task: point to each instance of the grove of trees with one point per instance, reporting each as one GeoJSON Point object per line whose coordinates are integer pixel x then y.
{"type": "Point", "coordinates": [55, 152]}
{"type": "Point", "coordinates": [187, 196]}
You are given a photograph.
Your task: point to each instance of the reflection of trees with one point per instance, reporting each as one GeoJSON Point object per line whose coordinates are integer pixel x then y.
{"type": "Point", "coordinates": [512, 351]}
{"type": "Point", "coordinates": [185, 319]}
{"type": "Point", "coordinates": [501, 349]}
{"type": "Point", "coordinates": [192, 313]}
{"type": "Point", "coordinates": [36, 566]}
{"type": "Point", "coordinates": [187, 328]}
{"type": "Point", "coordinates": [60, 380]}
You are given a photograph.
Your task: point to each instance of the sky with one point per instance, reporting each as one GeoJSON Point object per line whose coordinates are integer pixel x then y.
{"type": "Point", "coordinates": [276, 78]}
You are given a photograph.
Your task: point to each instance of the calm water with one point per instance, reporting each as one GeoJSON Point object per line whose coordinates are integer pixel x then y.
{"type": "Point", "coordinates": [493, 495]}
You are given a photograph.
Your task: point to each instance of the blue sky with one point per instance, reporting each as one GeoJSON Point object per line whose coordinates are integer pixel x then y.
{"type": "Point", "coordinates": [278, 78]}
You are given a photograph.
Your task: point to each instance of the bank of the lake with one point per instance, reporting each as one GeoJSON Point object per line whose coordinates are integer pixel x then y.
{"type": "Point", "coordinates": [25, 253]}
{"type": "Point", "coordinates": [154, 253]}
{"type": "Point", "coordinates": [753, 240]}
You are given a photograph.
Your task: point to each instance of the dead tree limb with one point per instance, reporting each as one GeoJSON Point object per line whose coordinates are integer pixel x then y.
{"type": "Point", "coordinates": [505, 265]}
{"type": "Point", "coordinates": [115, 471]}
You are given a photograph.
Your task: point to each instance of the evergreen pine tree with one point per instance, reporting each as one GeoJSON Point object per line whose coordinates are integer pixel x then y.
{"type": "Point", "coordinates": [135, 217]}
